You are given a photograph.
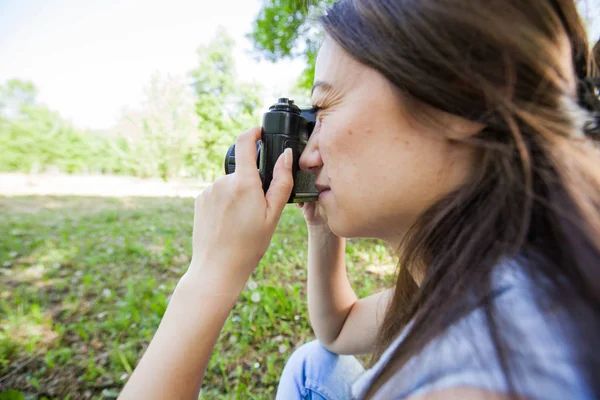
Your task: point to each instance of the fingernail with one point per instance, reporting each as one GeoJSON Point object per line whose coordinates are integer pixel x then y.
{"type": "Point", "coordinates": [287, 154]}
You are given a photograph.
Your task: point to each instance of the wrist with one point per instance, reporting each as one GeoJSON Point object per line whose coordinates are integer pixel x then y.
{"type": "Point", "coordinates": [324, 236]}
{"type": "Point", "coordinates": [205, 282]}
{"type": "Point", "coordinates": [320, 230]}
{"type": "Point", "coordinates": [189, 293]}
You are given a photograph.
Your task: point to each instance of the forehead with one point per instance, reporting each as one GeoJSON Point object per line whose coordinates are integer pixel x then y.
{"type": "Point", "coordinates": [336, 67]}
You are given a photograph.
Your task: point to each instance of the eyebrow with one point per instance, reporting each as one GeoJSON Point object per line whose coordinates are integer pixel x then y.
{"type": "Point", "coordinates": [321, 84]}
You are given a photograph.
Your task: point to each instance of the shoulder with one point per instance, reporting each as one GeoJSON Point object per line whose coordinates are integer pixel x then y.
{"type": "Point", "coordinates": [544, 353]}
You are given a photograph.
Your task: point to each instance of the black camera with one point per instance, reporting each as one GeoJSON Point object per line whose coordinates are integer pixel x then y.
{"type": "Point", "coordinates": [284, 125]}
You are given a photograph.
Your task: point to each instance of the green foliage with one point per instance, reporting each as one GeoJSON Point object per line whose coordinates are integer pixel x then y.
{"type": "Point", "coordinates": [225, 106]}
{"type": "Point", "coordinates": [161, 138]}
{"type": "Point", "coordinates": [12, 395]}
{"type": "Point", "coordinates": [288, 29]}
{"type": "Point", "coordinates": [33, 138]}
{"type": "Point", "coordinates": [185, 129]}
{"type": "Point", "coordinates": [87, 280]}
{"type": "Point", "coordinates": [37, 138]}
{"type": "Point", "coordinates": [16, 94]}
{"type": "Point", "coordinates": [181, 130]}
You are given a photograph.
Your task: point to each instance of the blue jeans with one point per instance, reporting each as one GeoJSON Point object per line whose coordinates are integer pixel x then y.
{"type": "Point", "coordinates": [314, 373]}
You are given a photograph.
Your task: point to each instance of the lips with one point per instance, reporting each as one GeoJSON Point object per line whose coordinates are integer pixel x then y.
{"type": "Point", "coordinates": [322, 188]}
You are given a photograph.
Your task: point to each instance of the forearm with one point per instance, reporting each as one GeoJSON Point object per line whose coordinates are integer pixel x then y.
{"type": "Point", "coordinates": [175, 362]}
{"type": "Point", "coordinates": [330, 296]}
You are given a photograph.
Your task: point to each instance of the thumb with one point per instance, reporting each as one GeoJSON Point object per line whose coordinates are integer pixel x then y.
{"type": "Point", "coordinates": [281, 185]}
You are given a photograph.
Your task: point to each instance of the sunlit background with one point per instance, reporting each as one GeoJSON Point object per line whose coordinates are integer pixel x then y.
{"type": "Point", "coordinates": [91, 59]}
{"type": "Point", "coordinates": [113, 115]}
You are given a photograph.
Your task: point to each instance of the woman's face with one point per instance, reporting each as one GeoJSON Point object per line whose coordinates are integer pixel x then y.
{"type": "Point", "coordinates": [382, 171]}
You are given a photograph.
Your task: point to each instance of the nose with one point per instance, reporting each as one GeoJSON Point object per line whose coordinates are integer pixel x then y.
{"type": "Point", "coordinates": [310, 160]}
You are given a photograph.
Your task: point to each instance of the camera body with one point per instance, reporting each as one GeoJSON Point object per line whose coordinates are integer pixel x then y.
{"type": "Point", "coordinates": [284, 125]}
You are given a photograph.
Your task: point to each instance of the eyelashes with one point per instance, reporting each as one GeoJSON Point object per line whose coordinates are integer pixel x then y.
{"type": "Point", "coordinates": [318, 117]}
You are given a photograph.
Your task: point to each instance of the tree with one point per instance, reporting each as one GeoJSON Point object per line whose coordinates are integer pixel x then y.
{"type": "Point", "coordinates": [225, 106]}
{"type": "Point", "coordinates": [161, 135]}
{"type": "Point", "coordinates": [288, 29]}
{"type": "Point", "coordinates": [35, 138]}
{"type": "Point", "coordinates": [183, 128]}
{"type": "Point", "coordinates": [14, 95]}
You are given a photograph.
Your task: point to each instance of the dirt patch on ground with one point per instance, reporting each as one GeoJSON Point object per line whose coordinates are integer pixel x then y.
{"type": "Point", "coordinates": [95, 185]}
{"type": "Point", "coordinates": [57, 384]}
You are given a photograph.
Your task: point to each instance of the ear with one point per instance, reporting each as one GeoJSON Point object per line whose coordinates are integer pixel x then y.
{"type": "Point", "coordinates": [457, 128]}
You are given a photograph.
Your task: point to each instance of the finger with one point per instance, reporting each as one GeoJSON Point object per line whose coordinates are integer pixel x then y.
{"type": "Point", "coordinates": [300, 205]}
{"type": "Point", "coordinates": [245, 151]}
{"type": "Point", "coordinates": [281, 185]}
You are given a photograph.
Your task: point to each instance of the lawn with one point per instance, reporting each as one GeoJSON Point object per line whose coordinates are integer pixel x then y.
{"type": "Point", "coordinates": [85, 281]}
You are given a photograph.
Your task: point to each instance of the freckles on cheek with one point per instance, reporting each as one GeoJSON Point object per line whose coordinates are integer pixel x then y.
{"type": "Point", "coordinates": [400, 137]}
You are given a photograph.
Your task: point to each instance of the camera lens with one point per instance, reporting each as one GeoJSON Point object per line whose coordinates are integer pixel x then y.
{"type": "Point", "coordinates": [230, 158]}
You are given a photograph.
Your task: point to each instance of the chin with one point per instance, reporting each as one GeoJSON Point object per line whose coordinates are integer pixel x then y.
{"type": "Point", "coordinates": [341, 224]}
{"type": "Point", "coordinates": [344, 231]}
{"type": "Point", "coordinates": [350, 231]}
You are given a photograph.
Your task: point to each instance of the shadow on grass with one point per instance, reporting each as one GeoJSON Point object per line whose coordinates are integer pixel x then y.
{"type": "Point", "coordinates": [85, 281]}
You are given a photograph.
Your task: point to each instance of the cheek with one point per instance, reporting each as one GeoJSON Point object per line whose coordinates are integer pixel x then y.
{"type": "Point", "coordinates": [340, 143]}
{"type": "Point", "coordinates": [350, 173]}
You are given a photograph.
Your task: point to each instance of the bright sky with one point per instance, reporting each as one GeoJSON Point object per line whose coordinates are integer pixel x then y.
{"type": "Point", "coordinates": [89, 59]}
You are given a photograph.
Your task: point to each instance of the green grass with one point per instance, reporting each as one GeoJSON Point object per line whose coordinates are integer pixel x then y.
{"type": "Point", "coordinates": [85, 281]}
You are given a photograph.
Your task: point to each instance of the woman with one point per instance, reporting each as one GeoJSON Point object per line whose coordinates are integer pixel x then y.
{"type": "Point", "coordinates": [460, 133]}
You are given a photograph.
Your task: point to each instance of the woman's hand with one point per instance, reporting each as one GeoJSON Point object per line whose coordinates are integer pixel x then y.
{"type": "Point", "coordinates": [234, 220]}
{"type": "Point", "coordinates": [313, 215]}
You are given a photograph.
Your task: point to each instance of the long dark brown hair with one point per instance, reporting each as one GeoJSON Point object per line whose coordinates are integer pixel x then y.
{"type": "Point", "coordinates": [535, 196]}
